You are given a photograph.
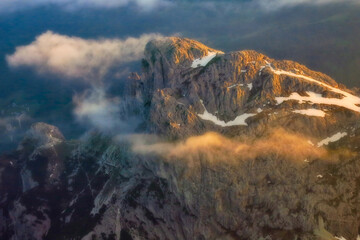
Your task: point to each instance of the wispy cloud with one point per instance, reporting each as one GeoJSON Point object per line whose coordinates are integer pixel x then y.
{"type": "Point", "coordinates": [97, 110]}
{"type": "Point", "coordinates": [7, 6]}
{"type": "Point", "coordinates": [77, 58]}
{"type": "Point", "coordinates": [279, 4]}
{"type": "Point", "coordinates": [217, 148]}
{"type": "Point", "coordinates": [15, 5]}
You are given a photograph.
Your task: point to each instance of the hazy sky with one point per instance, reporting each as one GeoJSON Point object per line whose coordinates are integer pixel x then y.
{"type": "Point", "coordinates": [148, 5]}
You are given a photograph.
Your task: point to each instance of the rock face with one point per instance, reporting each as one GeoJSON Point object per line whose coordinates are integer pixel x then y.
{"type": "Point", "coordinates": [286, 165]}
{"type": "Point", "coordinates": [229, 86]}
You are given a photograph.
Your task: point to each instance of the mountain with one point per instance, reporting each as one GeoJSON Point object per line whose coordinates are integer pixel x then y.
{"type": "Point", "coordinates": [245, 90]}
{"type": "Point", "coordinates": [232, 146]}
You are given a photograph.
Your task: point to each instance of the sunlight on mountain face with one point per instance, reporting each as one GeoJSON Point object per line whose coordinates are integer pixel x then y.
{"type": "Point", "coordinates": [116, 123]}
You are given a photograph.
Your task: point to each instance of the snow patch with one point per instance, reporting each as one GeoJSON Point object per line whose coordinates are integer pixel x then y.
{"type": "Point", "coordinates": [342, 238]}
{"type": "Point", "coordinates": [202, 62]}
{"type": "Point", "coordinates": [334, 138]}
{"type": "Point", "coordinates": [311, 112]}
{"type": "Point", "coordinates": [346, 102]}
{"type": "Point", "coordinates": [349, 101]}
{"type": "Point", "coordinates": [235, 85]}
{"type": "Point", "coordinates": [238, 121]}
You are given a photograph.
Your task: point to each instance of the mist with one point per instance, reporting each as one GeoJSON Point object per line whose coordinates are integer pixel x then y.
{"type": "Point", "coordinates": [215, 148]}
{"type": "Point", "coordinates": [93, 108]}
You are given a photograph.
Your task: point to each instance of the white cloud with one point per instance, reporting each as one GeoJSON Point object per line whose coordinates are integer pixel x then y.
{"type": "Point", "coordinates": [14, 5]}
{"type": "Point", "coordinates": [95, 109]}
{"type": "Point", "coordinates": [74, 57]}
{"type": "Point", "coordinates": [278, 4]}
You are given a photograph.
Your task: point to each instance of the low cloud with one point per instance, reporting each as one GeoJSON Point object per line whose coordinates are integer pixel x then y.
{"type": "Point", "coordinates": [97, 110]}
{"type": "Point", "coordinates": [77, 58]}
{"type": "Point", "coordinates": [15, 5]}
{"type": "Point", "coordinates": [216, 148]}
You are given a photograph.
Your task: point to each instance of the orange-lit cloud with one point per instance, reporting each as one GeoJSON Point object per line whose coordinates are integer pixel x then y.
{"type": "Point", "coordinates": [216, 148]}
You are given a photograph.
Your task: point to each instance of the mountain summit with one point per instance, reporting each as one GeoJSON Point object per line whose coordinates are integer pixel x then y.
{"type": "Point", "coordinates": [192, 89]}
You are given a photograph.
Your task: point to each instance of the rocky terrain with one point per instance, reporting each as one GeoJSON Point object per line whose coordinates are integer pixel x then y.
{"type": "Point", "coordinates": [232, 146]}
{"type": "Point", "coordinates": [243, 84]}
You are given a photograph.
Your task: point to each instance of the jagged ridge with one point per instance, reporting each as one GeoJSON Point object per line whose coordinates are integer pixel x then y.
{"type": "Point", "coordinates": [246, 85]}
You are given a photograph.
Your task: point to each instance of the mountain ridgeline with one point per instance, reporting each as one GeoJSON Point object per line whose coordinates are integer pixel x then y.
{"type": "Point", "coordinates": [231, 146]}
{"type": "Point", "coordinates": [232, 84]}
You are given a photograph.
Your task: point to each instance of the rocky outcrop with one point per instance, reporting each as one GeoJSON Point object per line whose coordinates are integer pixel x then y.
{"type": "Point", "coordinates": [167, 58]}
{"type": "Point", "coordinates": [36, 168]}
{"type": "Point", "coordinates": [230, 85]}
{"type": "Point", "coordinates": [108, 191]}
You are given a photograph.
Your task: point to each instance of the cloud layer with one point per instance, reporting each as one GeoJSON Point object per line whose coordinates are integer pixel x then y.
{"type": "Point", "coordinates": [146, 5]}
{"type": "Point", "coordinates": [278, 4]}
{"type": "Point", "coordinates": [14, 5]}
{"type": "Point", "coordinates": [73, 57]}
{"type": "Point", "coordinates": [217, 148]}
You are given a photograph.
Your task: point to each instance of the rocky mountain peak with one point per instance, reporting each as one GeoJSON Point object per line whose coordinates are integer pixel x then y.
{"type": "Point", "coordinates": [192, 88]}
{"type": "Point", "coordinates": [167, 58]}
{"type": "Point", "coordinates": [176, 50]}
